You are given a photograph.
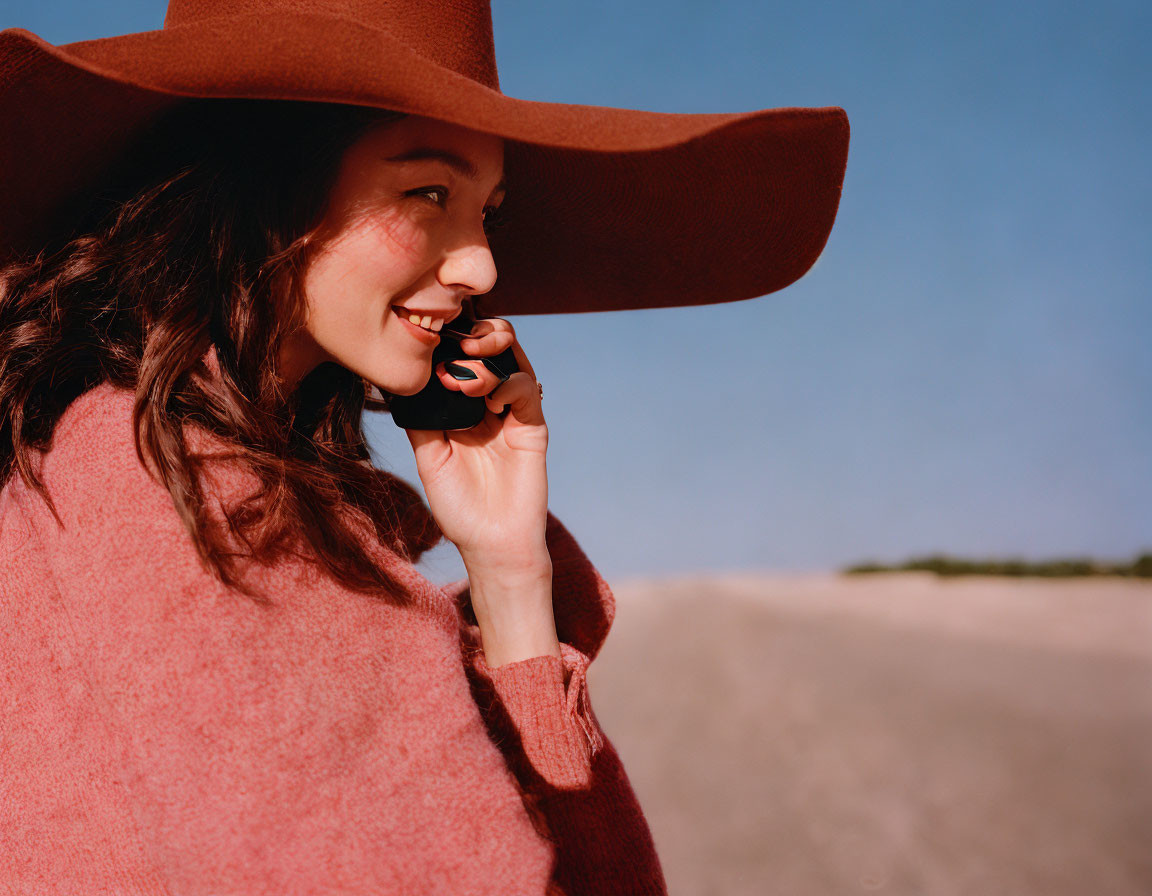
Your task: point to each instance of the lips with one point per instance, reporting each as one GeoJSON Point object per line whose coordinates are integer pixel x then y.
{"type": "Point", "coordinates": [446, 315]}
{"type": "Point", "coordinates": [431, 337]}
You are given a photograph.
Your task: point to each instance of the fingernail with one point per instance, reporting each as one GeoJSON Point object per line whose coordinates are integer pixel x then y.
{"type": "Point", "coordinates": [460, 373]}
{"type": "Point", "coordinates": [491, 365]}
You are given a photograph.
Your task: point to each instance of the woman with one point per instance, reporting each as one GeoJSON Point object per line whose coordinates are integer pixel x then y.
{"type": "Point", "coordinates": [222, 672]}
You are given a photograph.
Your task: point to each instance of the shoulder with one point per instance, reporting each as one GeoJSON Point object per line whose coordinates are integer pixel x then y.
{"type": "Point", "coordinates": [93, 440]}
{"type": "Point", "coordinates": [101, 514]}
{"type": "Point", "coordinates": [103, 404]}
{"type": "Point", "coordinates": [97, 419]}
{"type": "Point", "coordinates": [93, 461]}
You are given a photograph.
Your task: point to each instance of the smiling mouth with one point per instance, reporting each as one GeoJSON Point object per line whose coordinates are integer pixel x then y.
{"type": "Point", "coordinates": [406, 315]}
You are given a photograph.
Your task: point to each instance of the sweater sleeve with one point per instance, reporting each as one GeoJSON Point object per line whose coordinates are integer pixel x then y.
{"type": "Point", "coordinates": [538, 712]}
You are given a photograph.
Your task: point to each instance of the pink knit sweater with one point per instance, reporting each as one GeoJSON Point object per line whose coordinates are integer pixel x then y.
{"type": "Point", "coordinates": [162, 734]}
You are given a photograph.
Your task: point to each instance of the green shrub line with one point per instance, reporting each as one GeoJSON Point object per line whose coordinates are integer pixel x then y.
{"type": "Point", "coordinates": [944, 565]}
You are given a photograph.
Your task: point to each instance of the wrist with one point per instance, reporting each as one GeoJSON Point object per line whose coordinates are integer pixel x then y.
{"type": "Point", "coordinates": [524, 566]}
{"type": "Point", "coordinates": [508, 592]}
{"type": "Point", "coordinates": [515, 616]}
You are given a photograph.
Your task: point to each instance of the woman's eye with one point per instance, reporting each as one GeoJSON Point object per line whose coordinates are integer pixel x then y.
{"type": "Point", "coordinates": [494, 216]}
{"type": "Point", "coordinates": [427, 191]}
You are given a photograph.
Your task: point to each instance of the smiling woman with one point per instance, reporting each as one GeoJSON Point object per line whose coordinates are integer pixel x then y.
{"type": "Point", "coordinates": [385, 242]}
{"type": "Point", "coordinates": [187, 283]}
{"type": "Point", "coordinates": [218, 242]}
{"type": "Point", "coordinates": [249, 289]}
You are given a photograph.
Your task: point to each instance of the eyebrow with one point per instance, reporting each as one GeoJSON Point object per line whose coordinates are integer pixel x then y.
{"type": "Point", "coordinates": [457, 163]}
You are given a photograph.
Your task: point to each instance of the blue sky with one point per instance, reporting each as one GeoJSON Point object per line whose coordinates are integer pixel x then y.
{"type": "Point", "coordinates": [966, 367]}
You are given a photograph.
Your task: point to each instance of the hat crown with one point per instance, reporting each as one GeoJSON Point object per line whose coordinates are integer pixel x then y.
{"type": "Point", "coordinates": [456, 34]}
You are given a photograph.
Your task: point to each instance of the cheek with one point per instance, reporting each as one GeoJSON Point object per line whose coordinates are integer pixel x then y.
{"type": "Point", "coordinates": [400, 234]}
{"type": "Point", "coordinates": [353, 281]}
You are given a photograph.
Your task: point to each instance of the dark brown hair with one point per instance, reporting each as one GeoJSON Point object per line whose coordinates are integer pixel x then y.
{"type": "Point", "coordinates": [199, 237]}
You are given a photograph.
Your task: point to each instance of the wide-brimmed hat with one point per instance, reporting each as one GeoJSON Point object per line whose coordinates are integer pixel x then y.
{"type": "Point", "coordinates": [606, 209]}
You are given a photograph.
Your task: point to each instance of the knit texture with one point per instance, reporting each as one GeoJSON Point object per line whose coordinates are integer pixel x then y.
{"type": "Point", "coordinates": [164, 734]}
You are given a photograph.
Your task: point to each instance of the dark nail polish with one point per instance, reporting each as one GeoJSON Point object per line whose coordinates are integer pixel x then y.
{"type": "Point", "coordinates": [460, 373]}
{"type": "Point", "coordinates": [495, 368]}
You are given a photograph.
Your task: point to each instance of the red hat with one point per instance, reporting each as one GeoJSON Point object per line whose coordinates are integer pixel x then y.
{"type": "Point", "coordinates": [607, 208]}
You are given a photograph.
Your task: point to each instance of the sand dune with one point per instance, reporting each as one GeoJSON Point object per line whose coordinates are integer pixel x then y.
{"type": "Point", "coordinates": [892, 733]}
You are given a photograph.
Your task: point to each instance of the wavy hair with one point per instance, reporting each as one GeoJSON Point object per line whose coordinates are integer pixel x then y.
{"type": "Point", "coordinates": [198, 239]}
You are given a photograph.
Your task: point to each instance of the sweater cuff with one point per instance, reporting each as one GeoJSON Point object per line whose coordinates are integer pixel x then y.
{"type": "Point", "coordinates": [545, 700]}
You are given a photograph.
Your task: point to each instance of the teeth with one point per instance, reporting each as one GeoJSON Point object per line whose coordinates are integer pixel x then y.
{"type": "Point", "coordinates": [426, 322]}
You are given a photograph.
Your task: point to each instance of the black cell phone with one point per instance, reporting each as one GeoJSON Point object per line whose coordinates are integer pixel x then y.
{"type": "Point", "coordinates": [435, 407]}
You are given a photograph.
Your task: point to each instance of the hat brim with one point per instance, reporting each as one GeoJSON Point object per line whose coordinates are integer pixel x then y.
{"type": "Point", "coordinates": [607, 208]}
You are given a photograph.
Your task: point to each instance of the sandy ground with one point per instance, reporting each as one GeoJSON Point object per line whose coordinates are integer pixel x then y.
{"type": "Point", "coordinates": [890, 733]}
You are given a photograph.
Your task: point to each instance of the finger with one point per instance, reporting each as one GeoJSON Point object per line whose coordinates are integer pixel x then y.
{"type": "Point", "coordinates": [492, 340]}
{"type": "Point", "coordinates": [490, 336]}
{"type": "Point", "coordinates": [519, 394]}
{"type": "Point", "coordinates": [522, 361]}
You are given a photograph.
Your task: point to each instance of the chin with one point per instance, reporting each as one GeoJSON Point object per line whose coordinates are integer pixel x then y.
{"type": "Point", "coordinates": [409, 388]}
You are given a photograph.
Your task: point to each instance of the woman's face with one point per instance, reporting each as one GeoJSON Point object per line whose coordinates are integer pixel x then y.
{"type": "Point", "coordinates": [403, 229]}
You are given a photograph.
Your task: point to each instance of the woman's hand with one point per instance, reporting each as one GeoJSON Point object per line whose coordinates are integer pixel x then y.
{"type": "Point", "coordinates": [487, 486]}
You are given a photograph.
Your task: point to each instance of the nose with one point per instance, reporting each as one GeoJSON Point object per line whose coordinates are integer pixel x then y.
{"type": "Point", "coordinates": [469, 267]}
